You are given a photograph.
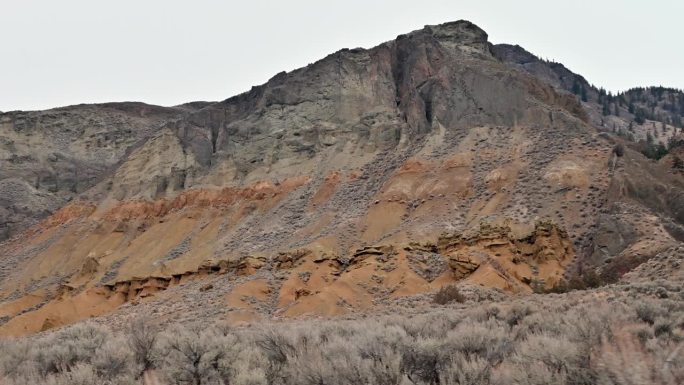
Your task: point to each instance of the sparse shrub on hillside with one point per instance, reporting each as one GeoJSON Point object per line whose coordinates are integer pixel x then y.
{"type": "Point", "coordinates": [615, 269]}
{"type": "Point", "coordinates": [278, 349]}
{"type": "Point", "coordinates": [486, 312]}
{"type": "Point", "coordinates": [448, 294]}
{"type": "Point", "coordinates": [142, 337]}
{"type": "Point", "coordinates": [559, 287]}
{"type": "Point", "coordinates": [662, 327]}
{"type": "Point", "coordinates": [591, 279]}
{"type": "Point", "coordinates": [677, 163]}
{"type": "Point", "coordinates": [588, 279]}
{"type": "Point", "coordinates": [195, 355]}
{"type": "Point", "coordinates": [517, 313]}
{"type": "Point", "coordinates": [422, 361]}
{"type": "Point", "coordinates": [114, 359]}
{"type": "Point", "coordinates": [647, 312]}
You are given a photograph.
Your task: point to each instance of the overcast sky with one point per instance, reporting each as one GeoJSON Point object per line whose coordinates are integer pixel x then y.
{"type": "Point", "coordinates": [56, 53]}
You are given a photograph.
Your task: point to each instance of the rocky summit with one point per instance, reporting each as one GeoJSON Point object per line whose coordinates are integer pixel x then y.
{"type": "Point", "coordinates": [358, 184]}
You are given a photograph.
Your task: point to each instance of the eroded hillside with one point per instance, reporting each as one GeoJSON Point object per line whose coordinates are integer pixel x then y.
{"type": "Point", "coordinates": [48, 157]}
{"type": "Point", "coordinates": [368, 177]}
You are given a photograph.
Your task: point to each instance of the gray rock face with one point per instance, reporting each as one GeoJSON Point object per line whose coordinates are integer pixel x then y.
{"type": "Point", "coordinates": [49, 157]}
{"type": "Point", "coordinates": [387, 97]}
{"type": "Point", "coordinates": [555, 74]}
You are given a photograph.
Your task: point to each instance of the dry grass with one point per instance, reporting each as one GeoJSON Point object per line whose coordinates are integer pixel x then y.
{"type": "Point", "coordinates": [620, 336]}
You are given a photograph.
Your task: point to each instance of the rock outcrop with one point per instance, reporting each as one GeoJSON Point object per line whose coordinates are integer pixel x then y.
{"type": "Point", "coordinates": [546, 248]}
{"type": "Point", "coordinates": [49, 157]}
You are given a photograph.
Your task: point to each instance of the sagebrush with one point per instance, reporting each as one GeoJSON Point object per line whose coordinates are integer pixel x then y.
{"type": "Point", "coordinates": [595, 337]}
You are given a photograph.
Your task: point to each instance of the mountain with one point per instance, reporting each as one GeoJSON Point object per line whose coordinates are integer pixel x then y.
{"type": "Point", "coordinates": [360, 183]}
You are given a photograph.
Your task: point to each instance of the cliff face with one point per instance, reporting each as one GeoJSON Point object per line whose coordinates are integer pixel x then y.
{"type": "Point", "coordinates": [355, 164]}
{"type": "Point", "coordinates": [49, 157]}
{"type": "Point", "coordinates": [357, 102]}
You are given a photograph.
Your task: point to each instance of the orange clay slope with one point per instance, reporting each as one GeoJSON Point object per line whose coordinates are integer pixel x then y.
{"type": "Point", "coordinates": [132, 251]}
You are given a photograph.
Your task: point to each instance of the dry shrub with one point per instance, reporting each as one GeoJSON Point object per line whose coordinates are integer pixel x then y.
{"type": "Point", "coordinates": [466, 370]}
{"type": "Point", "coordinates": [648, 311]}
{"type": "Point", "coordinates": [531, 373]}
{"type": "Point", "coordinates": [627, 361]}
{"type": "Point", "coordinates": [622, 337]}
{"type": "Point", "coordinates": [142, 336]}
{"type": "Point", "coordinates": [561, 356]}
{"type": "Point", "coordinates": [196, 355]}
{"type": "Point", "coordinates": [490, 341]}
{"type": "Point", "coordinates": [517, 313]}
{"type": "Point", "coordinates": [448, 294]}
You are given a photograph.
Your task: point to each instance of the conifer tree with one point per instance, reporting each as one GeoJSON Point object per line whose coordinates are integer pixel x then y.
{"type": "Point", "coordinates": [576, 87]}
{"type": "Point", "coordinates": [606, 108]}
{"type": "Point", "coordinates": [640, 116]}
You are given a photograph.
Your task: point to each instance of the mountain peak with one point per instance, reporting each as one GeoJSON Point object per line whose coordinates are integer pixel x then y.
{"type": "Point", "coordinates": [462, 33]}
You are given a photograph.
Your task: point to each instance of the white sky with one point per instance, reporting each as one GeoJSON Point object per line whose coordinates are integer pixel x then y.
{"type": "Point", "coordinates": [55, 53]}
